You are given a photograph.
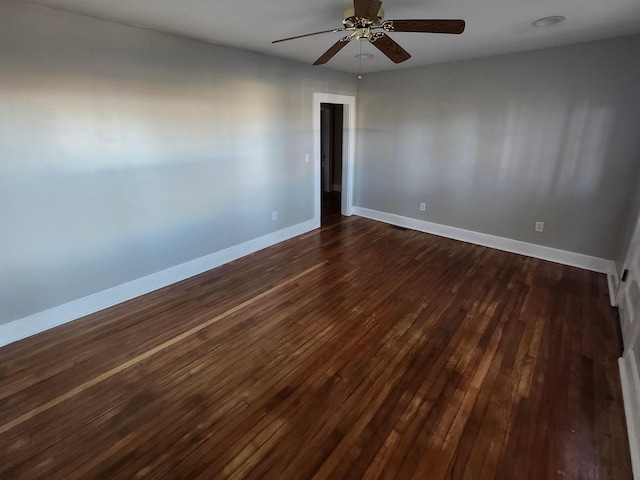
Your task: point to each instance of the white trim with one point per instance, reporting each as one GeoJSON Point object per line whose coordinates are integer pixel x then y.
{"type": "Point", "coordinates": [39, 322]}
{"type": "Point", "coordinates": [348, 150]}
{"type": "Point", "coordinates": [508, 245]}
{"type": "Point", "coordinates": [630, 382]}
{"type": "Point", "coordinates": [613, 279]}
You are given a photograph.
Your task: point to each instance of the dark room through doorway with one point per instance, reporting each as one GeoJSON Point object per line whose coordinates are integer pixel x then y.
{"type": "Point", "coordinates": [331, 142]}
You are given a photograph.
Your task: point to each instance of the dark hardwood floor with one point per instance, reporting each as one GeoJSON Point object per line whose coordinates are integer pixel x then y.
{"type": "Point", "coordinates": [355, 351]}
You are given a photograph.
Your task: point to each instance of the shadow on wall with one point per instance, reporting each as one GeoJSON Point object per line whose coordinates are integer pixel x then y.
{"type": "Point", "coordinates": [494, 145]}
{"type": "Point", "coordinates": [110, 177]}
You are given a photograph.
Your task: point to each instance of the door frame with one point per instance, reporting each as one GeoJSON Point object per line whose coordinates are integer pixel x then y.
{"type": "Point", "coordinates": [348, 103]}
{"type": "Point", "coordinates": [629, 363]}
{"type": "Point", "coordinates": [629, 311]}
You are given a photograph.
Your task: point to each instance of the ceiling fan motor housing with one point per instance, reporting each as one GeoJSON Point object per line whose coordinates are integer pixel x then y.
{"type": "Point", "coordinates": [350, 20]}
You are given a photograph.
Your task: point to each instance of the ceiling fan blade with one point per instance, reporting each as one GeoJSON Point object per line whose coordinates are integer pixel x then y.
{"type": "Point", "coordinates": [335, 48]}
{"type": "Point", "coordinates": [366, 8]}
{"type": "Point", "coordinates": [424, 26]}
{"type": "Point", "coordinates": [391, 49]}
{"type": "Point", "coordinates": [309, 35]}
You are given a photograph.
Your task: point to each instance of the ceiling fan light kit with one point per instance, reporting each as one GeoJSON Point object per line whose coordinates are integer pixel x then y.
{"type": "Point", "coordinates": [368, 15]}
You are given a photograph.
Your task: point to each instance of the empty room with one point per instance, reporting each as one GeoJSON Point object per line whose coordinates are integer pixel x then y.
{"type": "Point", "coordinates": [319, 239]}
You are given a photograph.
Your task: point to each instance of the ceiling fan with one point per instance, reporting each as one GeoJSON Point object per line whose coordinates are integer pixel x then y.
{"type": "Point", "coordinates": [367, 16]}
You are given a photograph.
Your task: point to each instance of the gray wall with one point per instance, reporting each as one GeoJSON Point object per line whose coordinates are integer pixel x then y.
{"type": "Point", "coordinates": [636, 351]}
{"type": "Point", "coordinates": [124, 152]}
{"type": "Point", "coordinates": [493, 145]}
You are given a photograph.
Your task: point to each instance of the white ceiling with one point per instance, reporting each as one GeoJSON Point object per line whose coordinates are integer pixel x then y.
{"type": "Point", "coordinates": [493, 26]}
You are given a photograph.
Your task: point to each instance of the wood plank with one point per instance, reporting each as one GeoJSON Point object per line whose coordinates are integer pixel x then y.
{"type": "Point", "coordinates": [353, 351]}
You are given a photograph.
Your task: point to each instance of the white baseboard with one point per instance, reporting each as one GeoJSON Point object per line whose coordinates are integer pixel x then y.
{"type": "Point", "coordinates": [613, 279]}
{"type": "Point", "coordinates": [630, 381]}
{"type": "Point", "coordinates": [41, 321]}
{"type": "Point", "coordinates": [500, 243]}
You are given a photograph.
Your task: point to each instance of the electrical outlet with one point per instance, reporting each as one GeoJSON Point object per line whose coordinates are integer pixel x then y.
{"type": "Point", "coordinates": [306, 158]}
{"type": "Point", "coordinates": [423, 206]}
{"type": "Point", "coordinates": [539, 226]}
{"type": "Point", "coordinates": [274, 216]}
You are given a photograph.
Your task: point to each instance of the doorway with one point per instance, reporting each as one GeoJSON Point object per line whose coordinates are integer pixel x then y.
{"type": "Point", "coordinates": [331, 145]}
{"type": "Point", "coordinates": [348, 104]}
